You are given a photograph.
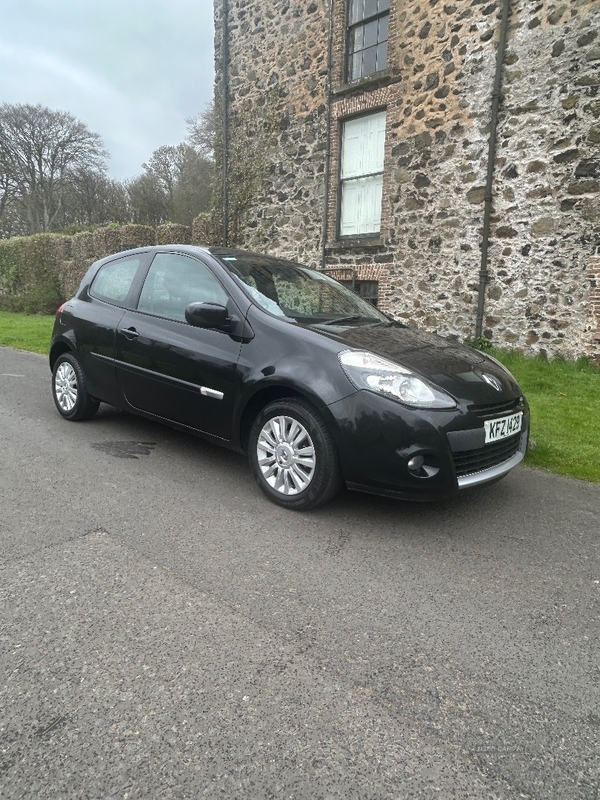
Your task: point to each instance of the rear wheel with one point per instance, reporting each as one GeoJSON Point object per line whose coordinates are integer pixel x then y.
{"type": "Point", "coordinates": [69, 390]}
{"type": "Point", "coordinates": [293, 456]}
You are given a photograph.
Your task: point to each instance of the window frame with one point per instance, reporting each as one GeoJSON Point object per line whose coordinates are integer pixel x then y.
{"type": "Point", "coordinates": [351, 27]}
{"type": "Point", "coordinates": [341, 181]}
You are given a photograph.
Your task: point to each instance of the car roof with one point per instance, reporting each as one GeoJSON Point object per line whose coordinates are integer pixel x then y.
{"type": "Point", "coordinates": [215, 250]}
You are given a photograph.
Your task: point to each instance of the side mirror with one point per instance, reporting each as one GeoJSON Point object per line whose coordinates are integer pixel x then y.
{"type": "Point", "coordinates": [208, 315]}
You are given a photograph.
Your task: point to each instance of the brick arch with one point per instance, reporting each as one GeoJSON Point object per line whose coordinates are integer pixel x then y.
{"type": "Point", "coordinates": [593, 273]}
{"type": "Point", "coordinates": [367, 272]}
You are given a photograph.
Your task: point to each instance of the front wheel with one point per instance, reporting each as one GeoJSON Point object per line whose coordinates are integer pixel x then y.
{"type": "Point", "coordinates": [69, 390]}
{"type": "Point", "coordinates": [292, 455]}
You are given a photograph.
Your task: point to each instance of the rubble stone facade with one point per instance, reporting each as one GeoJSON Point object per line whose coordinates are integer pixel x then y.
{"type": "Point", "coordinates": [287, 98]}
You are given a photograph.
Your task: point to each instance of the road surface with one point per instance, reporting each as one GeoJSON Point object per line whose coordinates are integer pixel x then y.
{"type": "Point", "coordinates": [167, 632]}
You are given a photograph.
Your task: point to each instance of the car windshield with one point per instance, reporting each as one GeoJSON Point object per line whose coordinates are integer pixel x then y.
{"type": "Point", "coordinates": [305, 295]}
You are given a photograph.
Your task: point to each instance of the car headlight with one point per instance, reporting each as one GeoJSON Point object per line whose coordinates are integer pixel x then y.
{"type": "Point", "coordinates": [368, 371]}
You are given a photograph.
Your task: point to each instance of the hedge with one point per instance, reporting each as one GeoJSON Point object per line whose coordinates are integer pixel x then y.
{"type": "Point", "coordinates": [173, 233]}
{"type": "Point", "coordinates": [29, 272]}
{"type": "Point", "coordinates": [37, 273]}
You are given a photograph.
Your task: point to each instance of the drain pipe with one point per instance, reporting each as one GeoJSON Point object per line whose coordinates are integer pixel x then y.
{"type": "Point", "coordinates": [327, 138]}
{"type": "Point", "coordinates": [224, 127]}
{"type": "Point", "coordinates": [487, 212]}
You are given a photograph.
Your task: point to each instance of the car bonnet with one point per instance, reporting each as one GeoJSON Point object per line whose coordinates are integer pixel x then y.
{"type": "Point", "coordinates": [460, 370]}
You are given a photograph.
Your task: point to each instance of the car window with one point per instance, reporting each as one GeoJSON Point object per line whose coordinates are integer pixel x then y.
{"type": "Point", "coordinates": [113, 281]}
{"type": "Point", "coordinates": [173, 282]}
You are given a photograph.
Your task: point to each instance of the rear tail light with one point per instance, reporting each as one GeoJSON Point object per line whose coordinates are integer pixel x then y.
{"type": "Point", "coordinates": [60, 308]}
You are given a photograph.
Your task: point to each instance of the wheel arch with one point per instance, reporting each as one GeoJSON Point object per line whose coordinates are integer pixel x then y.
{"type": "Point", "coordinates": [57, 349]}
{"type": "Point", "coordinates": [265, 396]}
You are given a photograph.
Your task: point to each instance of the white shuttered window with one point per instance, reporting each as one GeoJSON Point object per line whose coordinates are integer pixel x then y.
{"type": "Point", "coordinates": [363, 148]}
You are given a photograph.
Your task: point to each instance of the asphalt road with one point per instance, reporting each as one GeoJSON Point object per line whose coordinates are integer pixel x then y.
{"type": "Point", "coordinates": [166, 632]}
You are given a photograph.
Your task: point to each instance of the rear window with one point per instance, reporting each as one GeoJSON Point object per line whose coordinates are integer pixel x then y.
{"type": "Point", "coordinates": [113, 281]}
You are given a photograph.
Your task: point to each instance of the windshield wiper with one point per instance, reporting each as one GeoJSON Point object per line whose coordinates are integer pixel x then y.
{"type": "Point", "coordinates": [342, 320]}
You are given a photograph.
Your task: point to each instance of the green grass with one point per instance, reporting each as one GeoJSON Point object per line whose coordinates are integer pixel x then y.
{"type": "Point", "coordinates": [564, 397]}
{"type": "Point", "coordinates": [565, 424]}
{"type": "Point", "coordinates": [26, 332]}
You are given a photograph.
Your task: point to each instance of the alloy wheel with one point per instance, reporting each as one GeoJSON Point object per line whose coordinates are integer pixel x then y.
{"type": "Point", "coordinates": [65, 386]}
{"type": "Point", "coordinates": [286, 455]}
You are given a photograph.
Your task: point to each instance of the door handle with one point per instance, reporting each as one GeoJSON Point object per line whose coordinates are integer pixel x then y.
{"type": "Point", "coordinates": [129, 333]}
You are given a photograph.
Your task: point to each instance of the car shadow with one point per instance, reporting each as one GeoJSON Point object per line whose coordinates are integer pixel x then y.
{"type": "Point", "coordinates": [130, 436]}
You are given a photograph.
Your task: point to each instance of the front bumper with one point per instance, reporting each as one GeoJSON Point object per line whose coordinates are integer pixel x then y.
{"type": "Point", "coordinates": [377, 439]}
{"type": "Point", "coordinates": [477, 477]}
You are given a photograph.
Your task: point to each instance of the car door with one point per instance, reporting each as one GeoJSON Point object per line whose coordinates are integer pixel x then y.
{"type": "Point", "coordinates": [169, 368]}
{"type": "Point", "coordinates": [96, 317]}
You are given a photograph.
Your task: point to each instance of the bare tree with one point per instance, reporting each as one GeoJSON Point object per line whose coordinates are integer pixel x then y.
{"type": "Point", "coordinates": [148, 201]}
{"type": "Point", "coordinates": [38, 149]}
{"type": "Point", "coordinates": [185, 178]}
{"type": "Point", "coordinates": [12, 222]}
{"type": "Point", "coordinates": [91, 198]}
{"type": "Point", "coordinates": [166, 164]}
{"type": "Point", "coordinates": [202, 130]}
{"type": "Point", "coordinates": [7, 184]}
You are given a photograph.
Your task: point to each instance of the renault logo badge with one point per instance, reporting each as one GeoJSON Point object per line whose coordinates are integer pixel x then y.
{"type": "Point", "coordinates": [493, 382]}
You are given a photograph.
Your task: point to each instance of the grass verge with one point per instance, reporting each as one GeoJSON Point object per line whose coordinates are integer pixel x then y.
{"type": "Point", "coordinates": [563, 395]}
{"type": "Point", "coordinates": [26, 332]}
{"type": "Point", "coordinates": [565, 425]}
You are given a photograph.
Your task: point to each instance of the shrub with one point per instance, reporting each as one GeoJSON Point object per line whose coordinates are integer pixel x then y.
{"type": "Point", "coordinates": [173, 233]}
{"type": "Point", "coordinates": [136, 236]}
{"type": "Point", "coordinates": [30, 270]}
{"type": "Point", "coordinates": [206, 229]}
{"type": "Point", "coordinates": [42, 298]}
{"type": "Point", "coordinates": [106, 241]}
{"type": "Point", "coordinates": [481, 343]}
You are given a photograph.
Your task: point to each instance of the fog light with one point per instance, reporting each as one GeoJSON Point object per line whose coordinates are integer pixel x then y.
{"type": "Point", "coordinates": [415, 463]}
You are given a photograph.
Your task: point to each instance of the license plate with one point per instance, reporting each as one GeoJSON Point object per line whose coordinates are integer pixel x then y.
{"type": "Point", "coordinates": [502, 428]}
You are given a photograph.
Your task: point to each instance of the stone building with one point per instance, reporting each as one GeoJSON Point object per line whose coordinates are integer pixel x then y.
{"type": "Point", "coordinates": [361, 137]}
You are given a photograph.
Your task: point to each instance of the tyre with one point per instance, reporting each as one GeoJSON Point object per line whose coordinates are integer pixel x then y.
{"type": "Point", "coordinates": [292, 455]}
{"type": "Point", "coordinates": [69, 390]}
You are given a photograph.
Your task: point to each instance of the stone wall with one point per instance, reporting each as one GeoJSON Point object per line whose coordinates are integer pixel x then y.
{"type": "Point", "coordinates": [437, 93]}
{"type": "Point", "coordinates": [277, 122]}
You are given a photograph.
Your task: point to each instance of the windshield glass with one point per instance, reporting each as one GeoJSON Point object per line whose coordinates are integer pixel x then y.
{"type": "Point", "coordinates": [290, 290]}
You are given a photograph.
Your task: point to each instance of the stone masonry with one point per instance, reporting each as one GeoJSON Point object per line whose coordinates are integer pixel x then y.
{"type": "Point", "coordinates": [287, 99]}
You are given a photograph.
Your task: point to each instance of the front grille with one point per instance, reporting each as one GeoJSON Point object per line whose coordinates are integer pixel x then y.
{"type": "Point", "coordinates": [495, 409]}
{"type": "Point", "coordinates": [469, 461]}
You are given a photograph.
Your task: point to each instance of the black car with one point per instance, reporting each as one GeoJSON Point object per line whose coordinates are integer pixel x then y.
{"type": "Point", "coordinates": [280, 361]}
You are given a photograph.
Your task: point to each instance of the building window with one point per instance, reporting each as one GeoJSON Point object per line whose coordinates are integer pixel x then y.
{"type": "Point", "coordinates": [368, 290]}
{"type": "Point", "coordinates": [361, 175]}
{"type": "Point", "coordinates": [367, 37]}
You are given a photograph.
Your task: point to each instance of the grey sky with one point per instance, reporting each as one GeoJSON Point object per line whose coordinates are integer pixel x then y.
{"type": "Point", "coordinates": [131, 70]}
